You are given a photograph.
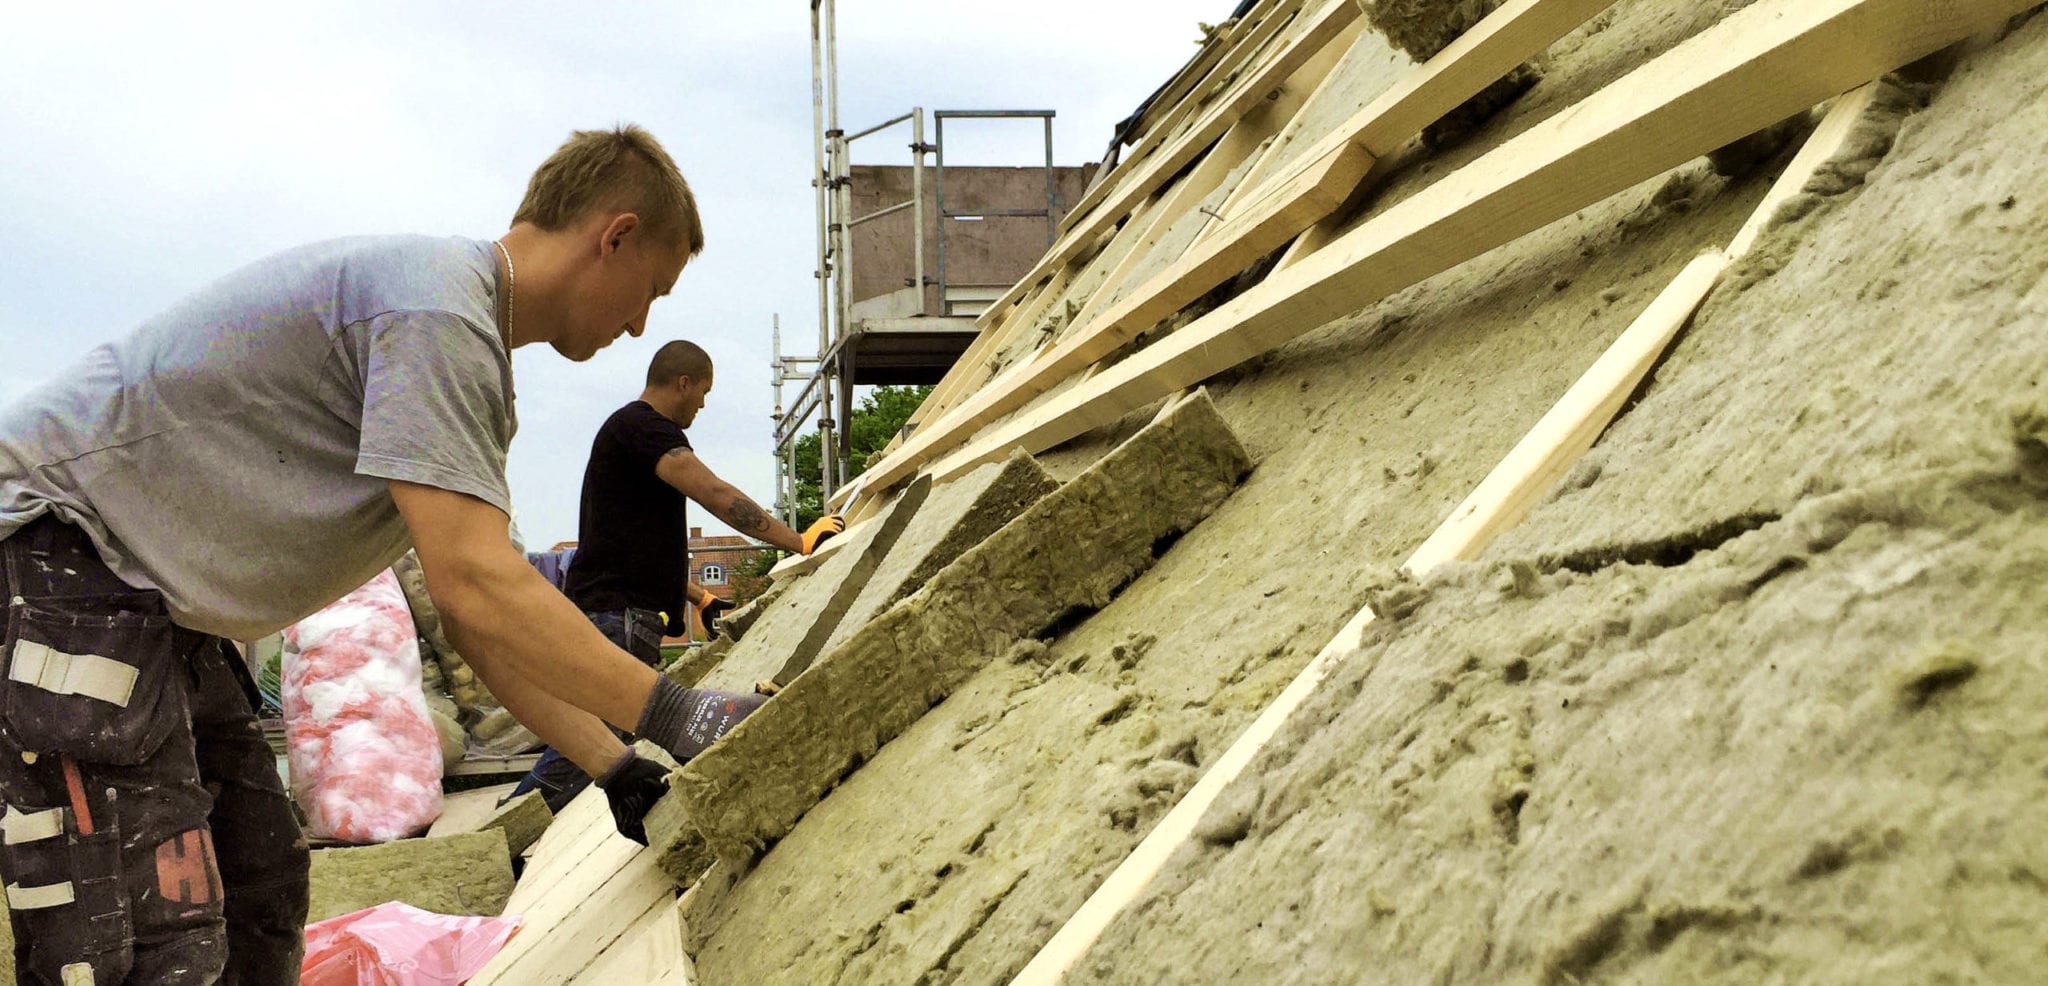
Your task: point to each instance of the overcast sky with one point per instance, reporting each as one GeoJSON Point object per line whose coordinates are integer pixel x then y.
{"type": "Point", "coordinates": [146, 149]}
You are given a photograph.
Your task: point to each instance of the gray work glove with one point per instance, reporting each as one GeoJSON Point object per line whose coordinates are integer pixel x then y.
{"type": "Point", "coordinates": [684, 721]}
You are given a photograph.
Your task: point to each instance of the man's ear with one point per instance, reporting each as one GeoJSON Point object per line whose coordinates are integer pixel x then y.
{"type": "Point", "coordinates": [623, 226]}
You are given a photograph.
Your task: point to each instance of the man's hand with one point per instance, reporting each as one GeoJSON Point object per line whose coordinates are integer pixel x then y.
{"type": "Point", "coordinates": [684, 721]}
{"type": "Point", "coordinates": [632, 786]}
{"type": "Point", "coordinates": [712, 608]}
{"type": "Point", "coordinates": [818, 533]}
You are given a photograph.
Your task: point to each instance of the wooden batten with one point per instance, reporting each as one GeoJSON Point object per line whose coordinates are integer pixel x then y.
{"type": "Point", "coordinates": [1317, 82]}
{"type": "Point", "coordinates": [1564, 434]}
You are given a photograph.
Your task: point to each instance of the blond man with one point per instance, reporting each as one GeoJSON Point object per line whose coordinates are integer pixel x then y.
{"type": "Point", "coordinates": [239, 461]}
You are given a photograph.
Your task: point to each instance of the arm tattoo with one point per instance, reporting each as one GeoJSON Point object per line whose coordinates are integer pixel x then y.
{"type": "Point", "coordinates": [743, 514]}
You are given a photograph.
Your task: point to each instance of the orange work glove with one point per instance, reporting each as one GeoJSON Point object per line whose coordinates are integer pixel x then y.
{"type": "Point", "coordinates": [710, 610]}
{"type": "Point", "coordinates": [817, 533]}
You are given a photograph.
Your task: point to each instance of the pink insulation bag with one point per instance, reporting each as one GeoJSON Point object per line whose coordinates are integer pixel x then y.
{"type": "Point", "coordinates": [400, 945]}
{"type": "Point", "coordinates": [364, 757]}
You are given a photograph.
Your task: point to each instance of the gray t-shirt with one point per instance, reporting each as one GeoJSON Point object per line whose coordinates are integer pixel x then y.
{"type": "Point", "coordinates": [232, 452]}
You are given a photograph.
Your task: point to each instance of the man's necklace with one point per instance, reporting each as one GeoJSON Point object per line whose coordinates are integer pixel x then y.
{"type": "Point", "coordinates": [511, 285]}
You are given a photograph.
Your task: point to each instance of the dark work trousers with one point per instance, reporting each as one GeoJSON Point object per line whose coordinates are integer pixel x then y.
{"type": "Point", "coordinates": [148, 838]}
{"type": "Point", "coordinates": [556, 777]}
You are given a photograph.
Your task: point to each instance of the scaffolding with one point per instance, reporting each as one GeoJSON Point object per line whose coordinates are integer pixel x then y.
{"type": "Point", "coordinates": [852, 352]}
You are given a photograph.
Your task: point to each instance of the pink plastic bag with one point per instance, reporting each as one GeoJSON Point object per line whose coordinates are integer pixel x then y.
{"type": "Point", "coordinates": [365, 758]}
{"type": "Point", "coordinates": [400, 945]}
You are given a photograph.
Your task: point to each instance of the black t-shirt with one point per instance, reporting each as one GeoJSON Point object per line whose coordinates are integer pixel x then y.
{"type": "Point", "coordinates": [632, 537]}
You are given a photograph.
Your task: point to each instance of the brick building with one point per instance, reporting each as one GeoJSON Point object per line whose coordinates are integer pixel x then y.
{"type": "Point", "coordinates": [715, 564]}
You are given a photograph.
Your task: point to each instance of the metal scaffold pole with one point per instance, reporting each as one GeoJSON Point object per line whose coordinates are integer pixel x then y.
{"type": "Point", "coordinates": [824, 65]}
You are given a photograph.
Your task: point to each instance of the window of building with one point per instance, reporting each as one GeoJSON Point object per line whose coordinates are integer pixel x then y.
{"type": "Point", "coordinates": [713, 574]}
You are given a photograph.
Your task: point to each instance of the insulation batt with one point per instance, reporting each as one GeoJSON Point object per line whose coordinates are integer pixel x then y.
{"type": "Point", "coordinates": [365, 759]}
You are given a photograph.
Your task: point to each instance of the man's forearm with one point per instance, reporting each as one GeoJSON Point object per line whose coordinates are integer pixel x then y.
{"type": "Point", "coordinates": [747, 517]}
{"type": "Point", "coordinates": [574, 733]}
{"type": "Point", "coordinates": [513, 622]}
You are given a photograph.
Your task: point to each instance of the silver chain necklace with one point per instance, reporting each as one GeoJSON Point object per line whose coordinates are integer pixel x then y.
{"type": "Point", "coordinates": [511, 286]}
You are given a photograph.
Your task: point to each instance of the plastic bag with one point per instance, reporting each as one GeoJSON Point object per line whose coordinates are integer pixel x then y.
{"type": "Point", "coordinates": [400, 945]}
{"type": "Point", "coordinates": [364, 755]}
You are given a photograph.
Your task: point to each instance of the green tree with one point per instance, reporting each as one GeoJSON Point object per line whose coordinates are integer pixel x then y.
{"type": "Point", "coordinates": [874, 423]}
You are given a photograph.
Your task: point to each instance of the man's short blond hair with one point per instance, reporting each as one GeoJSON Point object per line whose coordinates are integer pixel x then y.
{"type": "Point", "coordinates": [623, 169]}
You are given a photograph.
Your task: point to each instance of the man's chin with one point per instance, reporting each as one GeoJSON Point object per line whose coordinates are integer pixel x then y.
{"type": "Point", "coordinates": [576, 356]}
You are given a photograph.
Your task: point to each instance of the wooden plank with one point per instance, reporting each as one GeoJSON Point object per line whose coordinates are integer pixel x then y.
{"type": "Point", "coordinates": [1755, 68]}
{"type": "Point", "coordinates": [583, 827]}
{"type": "Point", "coordinates": [863, 512]}
{"type": "Point", "coordinates": [1199, 70]}
{"type": "Point", "coordinates": [1111, 199]}
{"type": "Point", "coordinates": [650, 951]}
{"type": "Point", "coordinates": [1251, 138]}
{"type": "Point", "coordinates": [1130, 878]}
{"type": "Point", "coordinates": [1559, 439]}
{"type": "Point", "coordinates": [1085, 275]}
{"type": "Point", "coordinates": [549, 918]}
{"type": "Point", "coordinates": [1319, 81]}
{"type": "Point", "coordinates": [997, 331]}
{"type": "Point", "coordinates": [796, 565]}
{"type": "Point", "coordinates": [573, 927]}
{"type": "Point", "coordinates": [848, 499]}
{"type": "Point", "coordinates": [1181, 197]}
{"type": "Point", "coordinates": [1254, 58]}
{"type": "Point", "coordinates": [1500, 501]}
{"type": "Point", "coordinates": [463, 811]}
{"type": "Point", "coordinates": [1319, 181]}
{"type": "Point", "coordinates": [1234, 45]}
{"type": "Point", "coordinates": [517, 764]}
{"type": "Point", "coordinates": [1269, 55]}
{"type": "Point", "coordinates": [970, 372]}
{"type": "Point", "coordinates": [968, 367]}
{"type": "Point", "coordinates": [1569, 428]}
{"type": "Point", "coordinates": [1823, 144]}
{"type": "Point", "coordinates": [976, 352]}
{"type": "Point", "coordinates": [1270, 217]}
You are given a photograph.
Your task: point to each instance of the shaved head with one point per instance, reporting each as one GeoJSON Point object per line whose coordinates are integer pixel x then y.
{"type": "Point", "coordinates": [679, 359]}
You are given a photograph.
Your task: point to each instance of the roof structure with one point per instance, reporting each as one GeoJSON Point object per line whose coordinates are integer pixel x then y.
{"type": "Point", "coordinates": [1557, 499]}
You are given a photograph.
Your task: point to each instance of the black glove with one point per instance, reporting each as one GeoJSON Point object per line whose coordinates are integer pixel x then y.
{"type": "Point", "coordinates": [632, 785]}
{"type": "Point", "coordinates": [684, 721]}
